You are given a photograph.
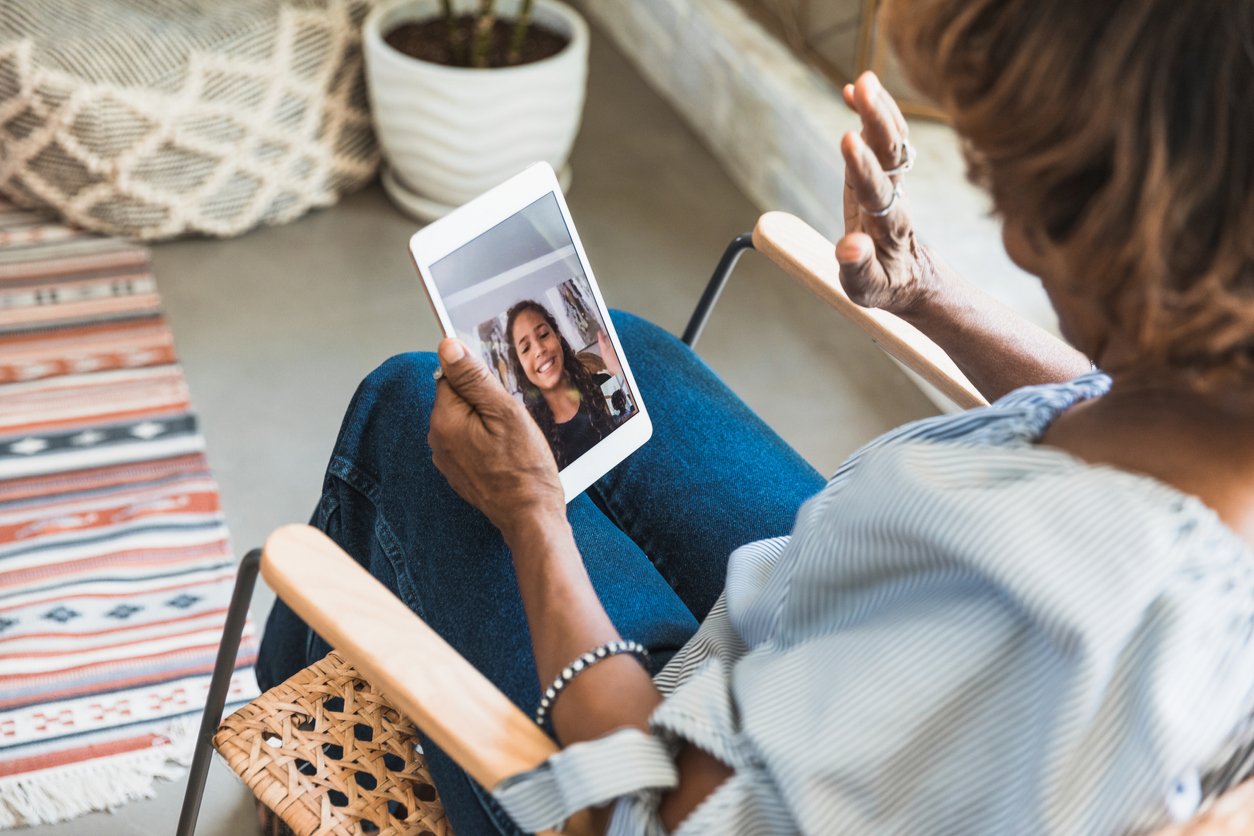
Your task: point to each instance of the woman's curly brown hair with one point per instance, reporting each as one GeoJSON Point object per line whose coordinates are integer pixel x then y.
{"type": "Point", "coordinates": [580, 377]}
{"type": "Point", "coordinates": [1121, 132]}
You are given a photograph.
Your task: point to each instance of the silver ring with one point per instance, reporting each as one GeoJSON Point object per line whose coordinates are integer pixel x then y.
{"type": "Point", "coordinates": [880, 213]}
{"type": "Point", "coordinates": [438, 374]}
{"type": "Point", "coordinates": [907, 160]}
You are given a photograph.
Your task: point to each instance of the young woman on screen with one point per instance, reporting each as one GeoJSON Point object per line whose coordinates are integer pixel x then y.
{"type": "Point", "coordinates": [561, 392]}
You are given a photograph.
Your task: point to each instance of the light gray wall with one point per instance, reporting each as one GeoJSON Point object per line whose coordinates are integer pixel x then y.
{"type": "Point", "coordinates": [466, 318]}
{"type": "Point", "coordinates": [534, 232]}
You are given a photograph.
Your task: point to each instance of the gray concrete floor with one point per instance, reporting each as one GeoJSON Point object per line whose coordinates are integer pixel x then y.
{"type": "Point", "coordinates": [276, 328]}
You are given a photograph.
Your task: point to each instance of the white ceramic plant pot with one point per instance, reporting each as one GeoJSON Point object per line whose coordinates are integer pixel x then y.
{"type": "Point", "coordinates": [450, 133]}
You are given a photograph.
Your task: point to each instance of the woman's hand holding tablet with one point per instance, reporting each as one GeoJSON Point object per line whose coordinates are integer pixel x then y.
{"type": "Point", "coordinates": [507, 276]}
{"type": "Point", "coordinates": [485, 444]}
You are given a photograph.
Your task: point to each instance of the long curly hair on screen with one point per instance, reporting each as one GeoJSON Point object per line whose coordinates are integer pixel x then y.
{"type": "Point", "coordinates": [581, 378]}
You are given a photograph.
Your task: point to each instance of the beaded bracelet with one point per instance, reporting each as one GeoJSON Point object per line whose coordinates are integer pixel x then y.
{"type": "Point", "coordinates": [580, 665]}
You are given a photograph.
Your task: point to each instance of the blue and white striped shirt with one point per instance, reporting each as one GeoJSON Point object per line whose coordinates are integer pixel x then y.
{"type": "Point", "coordinates": [965, 633]}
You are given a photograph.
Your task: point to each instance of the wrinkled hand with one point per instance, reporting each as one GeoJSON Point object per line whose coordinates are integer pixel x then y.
{"type": "Point", "coordinates": [487, 445]}
{"type": "Point", "coordinates": [882, 265]}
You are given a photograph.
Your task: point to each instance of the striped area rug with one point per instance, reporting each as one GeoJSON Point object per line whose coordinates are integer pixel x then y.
{"type": "Point", "coordinates": [115, 565]}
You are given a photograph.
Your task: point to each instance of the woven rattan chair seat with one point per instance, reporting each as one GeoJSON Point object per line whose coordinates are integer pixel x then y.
{"type": "Point", "coordinates": [330, 755]}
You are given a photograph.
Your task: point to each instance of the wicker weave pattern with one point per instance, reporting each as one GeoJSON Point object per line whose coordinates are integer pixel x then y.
{"type": "Point", "coordinates": [330, 755]}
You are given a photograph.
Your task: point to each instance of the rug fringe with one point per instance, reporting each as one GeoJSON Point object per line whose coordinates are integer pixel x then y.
{"type": "Point", "coordinates": [64, 792]}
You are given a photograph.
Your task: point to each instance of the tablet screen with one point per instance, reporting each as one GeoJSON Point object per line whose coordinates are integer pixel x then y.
{"type": "Point", "coordinates": [518, 295]}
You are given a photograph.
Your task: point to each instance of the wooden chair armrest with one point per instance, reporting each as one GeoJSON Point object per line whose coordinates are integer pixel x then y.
{"type": "Point", "coordinates": [452, 703]}
{"type": "Point", "coordinates": [807, 256]}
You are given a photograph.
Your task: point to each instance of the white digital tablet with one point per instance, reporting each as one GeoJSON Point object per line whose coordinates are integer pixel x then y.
{"type": "Point", "coordinates": [507, 275]}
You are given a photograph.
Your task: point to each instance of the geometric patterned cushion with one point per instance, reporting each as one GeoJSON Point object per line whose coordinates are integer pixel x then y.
{"type": "Point", "coordinates": [157, 118]}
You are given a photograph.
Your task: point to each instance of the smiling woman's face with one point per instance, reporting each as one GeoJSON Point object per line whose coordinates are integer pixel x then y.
{"type": "Point", "coordinates": [539, 350]}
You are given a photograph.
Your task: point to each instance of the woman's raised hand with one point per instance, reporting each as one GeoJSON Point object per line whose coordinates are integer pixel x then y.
{"type": "Point", "coordinates": [488, 447]}
{"type": "Point", "coordinates": [608, 357]}
{"type": "Point", "coordinates": [882, 265]}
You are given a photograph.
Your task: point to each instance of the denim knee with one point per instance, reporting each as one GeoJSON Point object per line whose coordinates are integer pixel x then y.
{"type": "Point", "coordinates": [642, 337]}
{"type": "Point", "coordinates": [389, 413]}
{"type": "Point", "coordinates": [636, 329]}
{"type": "Point", "coordinates": [403, 381]}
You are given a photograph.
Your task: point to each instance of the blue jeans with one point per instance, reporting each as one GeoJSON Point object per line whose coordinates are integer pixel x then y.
{"type": "Point", "coordinates": [655, 532]}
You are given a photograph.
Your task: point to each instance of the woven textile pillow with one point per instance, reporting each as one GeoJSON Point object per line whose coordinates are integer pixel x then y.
{"type": "Point", "coordinates": [156, 118]}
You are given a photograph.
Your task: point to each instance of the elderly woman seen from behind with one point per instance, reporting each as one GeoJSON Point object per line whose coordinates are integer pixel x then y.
{"type": "Point", "coordinates": [1036, 617]}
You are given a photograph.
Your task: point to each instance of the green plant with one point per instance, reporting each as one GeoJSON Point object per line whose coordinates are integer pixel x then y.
{"type": "Point", "coordinates": [470, 36]}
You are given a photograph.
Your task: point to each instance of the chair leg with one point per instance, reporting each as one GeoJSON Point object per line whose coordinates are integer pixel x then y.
{"type": "Point", "coordinates": [696, 324]}
{"type": "Point", "coordinates": [223, 668]}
